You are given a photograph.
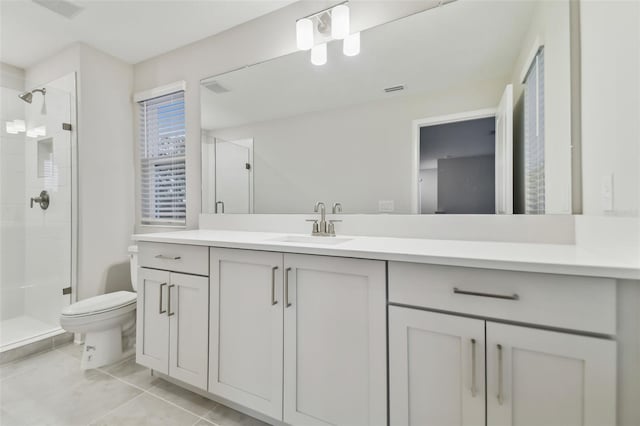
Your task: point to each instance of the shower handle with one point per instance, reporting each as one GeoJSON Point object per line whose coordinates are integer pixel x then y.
{"type": "Point", "coordinates": [43, 200]}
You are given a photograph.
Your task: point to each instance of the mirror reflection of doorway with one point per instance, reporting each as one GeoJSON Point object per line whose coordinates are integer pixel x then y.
{"type": "Point", "coordinates": [457, 167]}
{"type": "Point", "coordinates": [234, 176]}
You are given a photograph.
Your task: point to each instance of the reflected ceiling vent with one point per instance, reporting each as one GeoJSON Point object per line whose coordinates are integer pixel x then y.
{"type": "Point", "coordinates": [394, 88]}
{"type": "Point", "coordinates": [215, 87]}
{"type": "Point", "coordinates": [61, 7]}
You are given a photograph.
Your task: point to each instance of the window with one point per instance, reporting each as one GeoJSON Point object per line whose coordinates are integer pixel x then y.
{"type": "Point", "coordinates": [534, 184]}
{"type": "Point", "coordinates": [162, 159]}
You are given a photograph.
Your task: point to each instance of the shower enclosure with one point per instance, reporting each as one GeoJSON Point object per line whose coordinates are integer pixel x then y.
{"type": "Point", "coordinates": [37, 210]}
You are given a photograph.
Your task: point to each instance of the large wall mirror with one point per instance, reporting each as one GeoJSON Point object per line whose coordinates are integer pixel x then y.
{"type": "Point", "coordinates": [460, 109]}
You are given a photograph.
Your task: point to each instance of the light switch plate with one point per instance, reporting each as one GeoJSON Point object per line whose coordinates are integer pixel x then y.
{"type": "Point", "coordinates": [386, 206]}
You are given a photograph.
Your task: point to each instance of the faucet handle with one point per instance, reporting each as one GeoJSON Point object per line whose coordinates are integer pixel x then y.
{"type": "Point", "coordinates": [331, 228]}
{"type": "Point", "coordinates": [316, 226]}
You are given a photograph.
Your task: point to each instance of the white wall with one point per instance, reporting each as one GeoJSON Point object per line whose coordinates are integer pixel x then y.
{"type": "Point", "coordinates": [610, 39]}
{"type": "Point", "coordinates": [12, 192]}
{"type": "Point", "coordinates": [267, 37]}
{"type": "Point", "coordinates": [105, 158]}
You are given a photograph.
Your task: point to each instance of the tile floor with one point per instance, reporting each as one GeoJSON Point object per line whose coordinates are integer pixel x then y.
{"type": "Point", "coordinates": [50, 389]}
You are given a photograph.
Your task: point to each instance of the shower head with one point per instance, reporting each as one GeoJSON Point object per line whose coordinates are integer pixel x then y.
{"type": "Point", "coordinates": [26, 96]}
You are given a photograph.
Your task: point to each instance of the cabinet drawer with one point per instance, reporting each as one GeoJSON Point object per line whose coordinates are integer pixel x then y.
{"type": "Point", "coordinates": [562, 301]}
{"type": "Point", "coordinates": [174, 257]}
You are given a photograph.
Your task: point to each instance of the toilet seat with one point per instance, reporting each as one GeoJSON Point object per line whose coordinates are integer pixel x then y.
{"type": "Point", "coordinates": [117, 301]}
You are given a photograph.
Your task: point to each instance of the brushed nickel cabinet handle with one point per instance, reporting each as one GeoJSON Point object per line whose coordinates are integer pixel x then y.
{"type": "Point", "coordinates": [169, 300]}
{"type": "Point", "coordinates": [160, 311]}
{"type": "Point", "coordinates": [165, 257]}
{"type": "Point", "coordinates": [474, 389]}
{"type": "Point", "coordinates": [273, 286]}
{"type": "Point", "coordinates": [500, 390]}
{"type": "Point", "coordinates": [286, 287]}
{"type": "Point", "coordinates": [513, 296]}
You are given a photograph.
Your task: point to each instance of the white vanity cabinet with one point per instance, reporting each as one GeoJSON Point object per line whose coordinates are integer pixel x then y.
{"type": "Point", "coordinates": [439, 362]}
{"type": "Point", "coordinates": [173, 312]}
{"type": "Point", "coordinates": [246, 330]}
{"type": "Point", "coordinates": [307, 333]}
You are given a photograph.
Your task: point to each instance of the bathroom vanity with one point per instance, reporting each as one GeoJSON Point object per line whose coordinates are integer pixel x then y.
{"type": "Point", "coordinates": [304, 330]}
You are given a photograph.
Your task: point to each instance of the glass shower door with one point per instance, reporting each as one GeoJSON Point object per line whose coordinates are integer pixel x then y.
{"type": "Point", "coordinates": [36, 215]}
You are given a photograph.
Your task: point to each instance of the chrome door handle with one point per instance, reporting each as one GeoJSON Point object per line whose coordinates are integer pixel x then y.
{"type": "Point", "coordinates": [286, 287]}
{"type": "Point", "coordinates": [160, 311]}
{"type": "Point", "coordinates": [165, 257]}
{"type": "Point", "coordinates": [170, 314]}
{"type": "Point", "coordinates": [513, 296]}
{"type": "Point", "coordinates": [474, 389]}
{"type": "Point", "coordinates": [500, 390]}
{"type": "Point", "coordinates": [273, 286]}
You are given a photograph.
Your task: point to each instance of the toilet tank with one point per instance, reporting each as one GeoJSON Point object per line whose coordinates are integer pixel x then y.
{"type": "Point", "coordinates": [133, 261]}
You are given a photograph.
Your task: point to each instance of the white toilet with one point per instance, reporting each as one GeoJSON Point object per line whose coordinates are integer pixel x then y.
{"type": "Point", "coordinates": [105, 320]}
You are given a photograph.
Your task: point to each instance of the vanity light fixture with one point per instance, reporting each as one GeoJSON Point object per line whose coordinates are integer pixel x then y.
{"type": "Point", "coordinates": [38, 131]}
{"type": "Point", "coordinates": [351, 44]}
{"type": "Point", "coordinates": [319, 54]}
{"type": "Point", "coordinates": [326, 25]}
{"type": "Point", "coordinates": [304, 34]}
{"type": "Point", "coordinates": [14, 127]}
{"type": "Point", "coordinates": [340, 21]}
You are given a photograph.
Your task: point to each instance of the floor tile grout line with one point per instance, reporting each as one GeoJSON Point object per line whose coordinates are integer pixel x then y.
{"type": "Point", "coordinates": [115, 408]}
{"type": "Point", "coordinates": [174, 404]}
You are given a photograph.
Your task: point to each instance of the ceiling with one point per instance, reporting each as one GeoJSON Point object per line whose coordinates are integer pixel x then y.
{"type": "Point", "coordinates": [462, 44]}
{"type": "Point", "coordinates": [129, 30]}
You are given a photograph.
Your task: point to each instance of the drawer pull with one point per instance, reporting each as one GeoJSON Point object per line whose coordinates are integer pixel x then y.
{"type": "Point", "coordinates": [500, 391]}
{"type": "Point", "coordinates": [273, 286]}
{"type": "Point", "coordinates": [513, 296]}
{"type": "Point", "coordinates": [286, 288]}
{"type": "Point", "coordinates": [164, 257]}
{"type": "Point", "coordinates": [170, 314]}
{"type": "Point", "coordinates": [474, 389]}
{"type": "Point", "coordinates": [160, 311]}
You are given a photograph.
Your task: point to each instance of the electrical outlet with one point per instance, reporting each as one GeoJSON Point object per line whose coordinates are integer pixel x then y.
{"type": "Point", "coordinates": [386, 206]}
{"type": "Point", "coordinates": [607, 192]}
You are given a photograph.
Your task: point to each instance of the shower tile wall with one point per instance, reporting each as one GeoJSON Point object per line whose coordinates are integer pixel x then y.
{"type": "Point", "coordinates": [12, 211]}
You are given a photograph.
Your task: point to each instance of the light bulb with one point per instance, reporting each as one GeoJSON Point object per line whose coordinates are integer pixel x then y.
{"type": "Point", "coordinates": [319, 54]}
{"type": "Point", "coordinates": [304, 34]}
{"type": "Point", "coordinates": [351, 45]}
{"type": "Point", "coordinates": [340, 21]}
{"type": "Point", "coordinates": [43, 111]}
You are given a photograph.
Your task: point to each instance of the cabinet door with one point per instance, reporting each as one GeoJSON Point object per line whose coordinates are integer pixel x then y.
{"type": "Point", "coordinates": [539, 377]}
{"type": "Point", "coordinates": [152, 342]}
{"type": "Point", "coordinates": [335, 341]}
{"type": "Point", "coordinates": [188, 313]}
{"type": "Point", "coordinates": [246, 329]}
{"type": "Point", "coordinates": [436, 369]}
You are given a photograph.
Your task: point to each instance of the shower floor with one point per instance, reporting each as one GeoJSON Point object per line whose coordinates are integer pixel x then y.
{"type": "Point", "coordinates": [16, 329]}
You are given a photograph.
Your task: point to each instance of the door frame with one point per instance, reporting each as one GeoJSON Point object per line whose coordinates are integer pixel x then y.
{"type": "Point", "coordinates": [248, 142]}
{"type": "Point", "coordinates": [416, 125]}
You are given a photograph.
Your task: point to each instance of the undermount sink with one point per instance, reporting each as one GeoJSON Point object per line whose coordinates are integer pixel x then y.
{"type": "Point", "coordinates": [307, 239]}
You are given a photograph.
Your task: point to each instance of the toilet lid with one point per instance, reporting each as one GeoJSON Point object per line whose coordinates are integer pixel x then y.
{"type": "Point", "coordinates": [102, 303]}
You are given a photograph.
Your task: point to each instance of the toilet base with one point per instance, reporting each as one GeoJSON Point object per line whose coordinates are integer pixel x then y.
{"type": "Point", "coordinates": [102, 348]}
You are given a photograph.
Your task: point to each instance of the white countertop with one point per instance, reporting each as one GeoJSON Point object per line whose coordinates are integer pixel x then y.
{"type": "Point", "coordinates": [550, 258]}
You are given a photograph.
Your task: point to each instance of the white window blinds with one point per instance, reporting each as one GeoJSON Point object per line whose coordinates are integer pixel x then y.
{"type": "Point", "coordinates": [534, 136]}
{"type": "Point", "coordinates": [162, 160]}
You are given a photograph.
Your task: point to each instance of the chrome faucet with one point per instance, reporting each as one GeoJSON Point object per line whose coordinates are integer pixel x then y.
{"type": "Point", "coordinates": [337, 208]}
{"type": "Point", "coordinates": [322, 227]}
